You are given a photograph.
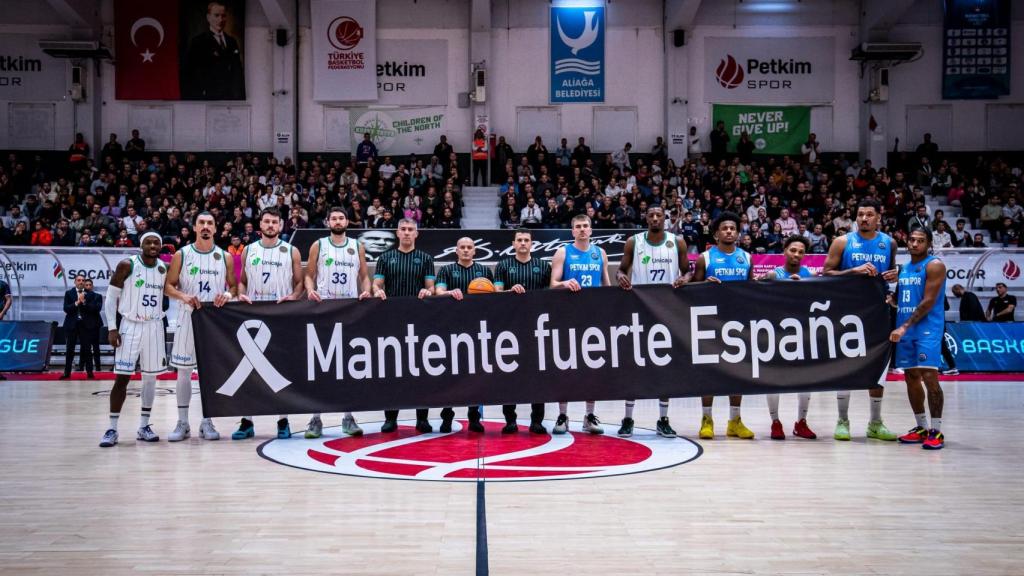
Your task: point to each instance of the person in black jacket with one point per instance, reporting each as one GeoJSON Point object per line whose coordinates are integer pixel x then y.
{"type": "Point", "coordinates": [970, 306]}
{"type": "Point", "coordinates": [81, 323]}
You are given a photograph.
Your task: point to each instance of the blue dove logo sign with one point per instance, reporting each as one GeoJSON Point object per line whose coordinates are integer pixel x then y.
{"type": "Point", "coordinates": [577, 54]}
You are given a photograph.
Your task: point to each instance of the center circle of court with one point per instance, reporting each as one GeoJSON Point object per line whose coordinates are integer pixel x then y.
{"type": "Point", "coordinates": [460, 456]}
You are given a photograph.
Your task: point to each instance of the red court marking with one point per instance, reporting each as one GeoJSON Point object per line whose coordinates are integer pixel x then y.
{"type": "Point", "coordinates": [392, 467]}
{"type": "Point", "coordinates": [492, 473]}
{"type": "Point", "coordinates": [464, 445]}
{"type": "Point", "coordinates": [81, 376]}
{"type": "Point", "coordinates": [353, 443]}
{"type": "Point", "coordinates": [328, 459]}
{"type": "Point", "coordinates": [588, 450]}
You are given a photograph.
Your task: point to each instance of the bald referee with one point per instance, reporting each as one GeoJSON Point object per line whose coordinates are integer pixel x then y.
{"type": "Point", "coordinates": [518, 274]}
{"type": "Point", "coordinates": [404, 271]}
{"type": "Point", "coordinates": [453, 280]}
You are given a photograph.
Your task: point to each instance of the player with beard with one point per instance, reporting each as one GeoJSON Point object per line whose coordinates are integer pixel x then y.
{"type": "Point", "coordinates": [518, 274]}
{"type": "Point", "coordinates": [336, 269]}
{"type": "Point", "coordinates": [869, 252]}
{"type": "Point", "coordinates": [652, 257]}
{"type": "Point", "coordinates": [920, 291]}
{"type": "Point", "coordinates": [200, 273]}
{"type": "Point", "coordinates": [271, 272]}
{"type": "Point", "coordinates": [724, 262]}
{"type": "Point", "coordinates": [794, 249]}
{"type": "Point", "coordinates": [136, 293]}
{"type": "Point", "coordinates": [574, 267]}
{"type": "Point", "coordinates": [454, 280]}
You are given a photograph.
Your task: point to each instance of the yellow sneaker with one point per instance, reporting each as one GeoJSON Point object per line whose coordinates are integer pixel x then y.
{"type": "Point", "coordinates": [707, 428]}
{"type": "Point", "coordinates": [737, 429]}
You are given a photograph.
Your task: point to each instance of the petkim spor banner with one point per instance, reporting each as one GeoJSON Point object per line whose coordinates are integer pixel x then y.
{"type": "Point", "coordinates": [577, 56]}
{"type": "Point", "coordinates": [543, 346]}
{"type": "Point", "coordinates": [773, 129]}
{"type": "Point", "coordinates": [344, 50]}
{"type": "Point", "coordinates": [770, 70]}
{"type": "Point", "coordinates": [987, 346]}
{"type": "Point", "coordinates": [27, 73]}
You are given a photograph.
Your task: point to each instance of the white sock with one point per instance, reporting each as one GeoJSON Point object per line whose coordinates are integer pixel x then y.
{"type": "Point", "coordinates": [936, 423]}
{"type": "Point", "coordinates": [346, 415]}
{"type": "Point", "coordinates": [734, 412]}
{"type": "Point", "coordinates": [317, 415]}
{"type": "Point", "coordinates": [629, 408]}
{"type": "Point", "coordinates": [876, 409]}
{"type": "Point", "coordinates": [282, 416]}
{"type": "Point", "coordinates": [804, 399]}
{"type": "Point", "coordinates": [563, 407]}
{"type": "Point", "coordinates": [590, 407]}
{"type": "Point", "coordinates": [922, 420]}
{"type": "Point", "coordinates": [113, 420]}
{"type": "Point", "coordinates": [773, 406]}
{"type": "Point", "coordinates": [663, 408]}
{"type": "Point", "coordinates": [183, 393]}
{"type": "Point", "coordinates": [148, 395]}
{"type": "Point", "coordinates": [706, 410]}
{"type": "Point", "coordinates": [843, 399]}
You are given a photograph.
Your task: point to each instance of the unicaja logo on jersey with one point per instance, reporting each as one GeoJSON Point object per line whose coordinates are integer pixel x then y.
{"type": "Point", "coordinates": [140, 283]}
{"type": "Point", "coordinates": [460, 457]}
{"type": "Point", "coordinates": [729, 72]}
{"type": "Point", "coordinates": [193, 270]}
{"type": "Point", "coordinates": [256, 261]}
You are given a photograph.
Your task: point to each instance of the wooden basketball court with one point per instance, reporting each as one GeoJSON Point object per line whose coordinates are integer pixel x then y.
{"type": "Point", "coordinates": [741, 507]}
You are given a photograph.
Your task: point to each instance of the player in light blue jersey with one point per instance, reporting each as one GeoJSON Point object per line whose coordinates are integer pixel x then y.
{"type": "Point", "coordinates": [920, 292]}
{"type": "Point", "coordinates": [870, 252]}
{"type": "Point", "coordinates": [574, 267]}
{"type": "Point", "coordinates": [794, 248]}
{"type": "Point", "coordinates": [724, 262]}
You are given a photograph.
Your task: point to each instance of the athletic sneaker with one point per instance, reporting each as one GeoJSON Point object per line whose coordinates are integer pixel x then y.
{"type": "Point", "coordinates": [476, 426]}
{"type": "Point", "coordinates": [935, 441]}
{"type": "Point", "coordinates": [561, 425]}
{"type": "Point", "coordinates": [842, 429]}
{"type": "Point", "coordinates": [510, 428]}
{"type": "Point", "coordinates": [878, 431]}
{"type": "Point", "coordinates": [109, 438]}
{"type": "Point", "coordinates": [627, 428]}
{"type": "Point", "coordinates": [424, 427]}
{"type": "Point", "coordinates": [777, 432]}
{"type": "Point", "coordinates": [801, 429]}
{"type": "Point", "coordinates": [897, 371]}
{"type": "Point", "coordinates": [315, 428]}
{"type": "Point", "coordinates": [349, 426]}
{"type": "Point", "coordinates": [146, 434]}
{"type": "Point", "coordinates": [446, 425]}
{"type": "Point", "coordinates": [181, 432]}
{"type": "Point", "coordinates": [537, 428]}
{"type": "Point", "coordinates": [664, 429]}
{"type": "Point", "coordinates": [245, 430]}
{"type": "Point", "coordinates": [916, 435]}
{"type": "Point", "coordinates": [389, 426]}
{"type": "Point", "coordinates": [707, 428]}
{"type": "Point", "coordinates": [207, 431]}
{"type": "Point", "coordinates": [951, 372]}
{"type": "Point", "coordinates": [284, 430]}
{"type": "Point", "coordinates": [737, 429]}
{"type": "Point", "coordinates": [592, 424]}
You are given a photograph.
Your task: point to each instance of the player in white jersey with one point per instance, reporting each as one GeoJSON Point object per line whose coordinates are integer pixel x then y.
{"type": "Point", "coordinates": [271, 272]}
{"type": "Point", "coordinates": [136, 293]}
{"type": "Point", "coordinates": [652, 257]}
{"type": "Point", "coordinates": [336, 269]}
{"type": "Point", "coordinates": [200, 273]}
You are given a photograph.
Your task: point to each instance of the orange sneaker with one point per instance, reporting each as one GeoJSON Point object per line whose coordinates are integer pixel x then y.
{"type": "Point", "coordinates": [801, 429]}
{"type": "Point", "coordinates": [916, 435]}
{"type": "Point", "coordinates": [935, 441]}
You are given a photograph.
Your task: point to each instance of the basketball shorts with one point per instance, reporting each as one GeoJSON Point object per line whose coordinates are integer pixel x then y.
{"type": "Point", "coordinates": [142, 343]}
{"type": "Point", "coordinates": [183, 351]}
{"type": "Point", "coordinates": [919, 352]}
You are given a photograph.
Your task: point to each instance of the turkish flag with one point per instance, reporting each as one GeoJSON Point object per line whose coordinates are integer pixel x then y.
{"type": "Point", "coordinates": [146, 40]}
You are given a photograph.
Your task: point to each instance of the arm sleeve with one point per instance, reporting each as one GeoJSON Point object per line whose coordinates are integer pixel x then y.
{"type": "Point", "coordinates": [428, 268]}
{"type": "Point", "coordinates": [110, 306]}
{"type": "Point", "coordinates": [499, 274]}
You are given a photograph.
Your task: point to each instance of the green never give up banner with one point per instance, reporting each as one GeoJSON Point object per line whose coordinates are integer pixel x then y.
{"type": "Point", "coordinates": [773, 129]}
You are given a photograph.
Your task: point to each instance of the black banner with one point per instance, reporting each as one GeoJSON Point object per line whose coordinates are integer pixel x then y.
{"type": "Point", "coordinates": [976, 49]}
{"type": "Point", "coordinates": [491, 245]}
{"type": "Point", "coordinates": [547, 346]}
{"type": "Point", "coordinates": [25, 346]}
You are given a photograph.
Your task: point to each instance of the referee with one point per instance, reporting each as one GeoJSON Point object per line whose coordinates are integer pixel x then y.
{"type": "Point", "coordinates": [518, 274]}
{"type": "Point", "coordinates": [454, 280]}
{"type": "Point", "coordinates": [404, 271]}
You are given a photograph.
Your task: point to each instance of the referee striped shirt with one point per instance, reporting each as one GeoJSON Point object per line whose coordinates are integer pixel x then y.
{"type": "Point", "coordinates": [404, 273]}
{"type": "Point", "coordinates": [533, 275]}
{"type": "Point", "coordinates": [458, 276]}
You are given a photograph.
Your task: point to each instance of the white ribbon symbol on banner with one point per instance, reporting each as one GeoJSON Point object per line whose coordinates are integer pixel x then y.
{"type": "Point", "coordinates": [254, 360]}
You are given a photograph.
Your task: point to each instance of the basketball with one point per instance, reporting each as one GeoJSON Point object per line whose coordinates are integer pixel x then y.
{"type": "Point", "coordinates": [481, 286]}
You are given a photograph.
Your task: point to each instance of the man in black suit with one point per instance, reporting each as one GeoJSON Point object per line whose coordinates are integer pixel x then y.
{"type": "Point", "coordinates": [81, 323]}
{"type": "Point", "coordinates": [970, 306]}
{"type": "Point", "coordinates": [100, 332]}
{"type": "Point", "coordinates": [213, 65]}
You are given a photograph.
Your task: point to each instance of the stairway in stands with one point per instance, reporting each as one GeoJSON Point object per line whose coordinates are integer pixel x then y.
{"type": "Point", "coordinates": [480, 207]}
